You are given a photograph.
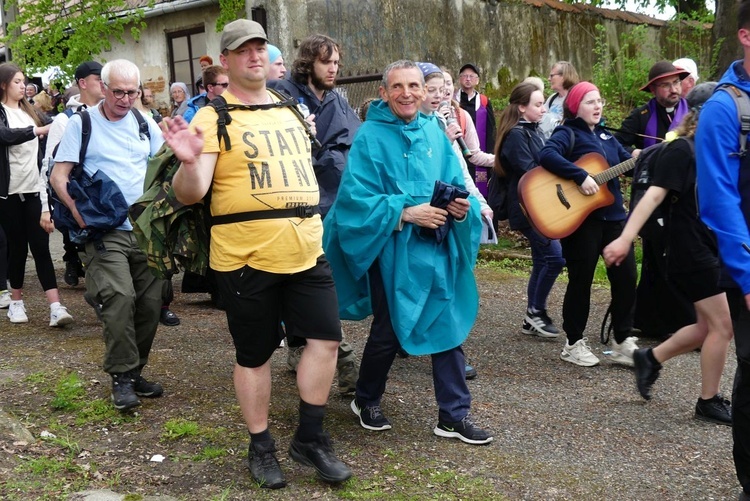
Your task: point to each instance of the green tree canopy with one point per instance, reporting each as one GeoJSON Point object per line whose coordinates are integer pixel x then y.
{"type": "Point", "coordinates": [64, 33]}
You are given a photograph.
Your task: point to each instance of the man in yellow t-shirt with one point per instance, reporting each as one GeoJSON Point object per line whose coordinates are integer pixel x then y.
{"type": "Point", "coordinates": [266, 247]}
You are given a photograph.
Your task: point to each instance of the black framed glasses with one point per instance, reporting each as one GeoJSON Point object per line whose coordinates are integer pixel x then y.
{"type": "Point", "coordinates": [119, 93]}
{"type": "Point", "coordinates": [225, 84]}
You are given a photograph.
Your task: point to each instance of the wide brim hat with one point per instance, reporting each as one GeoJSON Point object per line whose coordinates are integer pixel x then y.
{"type": "Point", "coordinates": [663, 69]}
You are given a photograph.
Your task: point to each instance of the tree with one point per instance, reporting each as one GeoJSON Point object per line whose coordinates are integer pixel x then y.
{"type": "Point", "coordinates": [46, 33]}
{"type": "Point", "coordinates": [724, 36]}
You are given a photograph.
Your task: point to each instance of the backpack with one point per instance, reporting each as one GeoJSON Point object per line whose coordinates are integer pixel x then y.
{"type": "Point", "coordinates": [643, 175]}
{"type": "Point", "coordinates": [175, 236]}
{"type": "Point", "coordinates": [98, 199]}
{"type": "Point", "coordinates": [742, 103]}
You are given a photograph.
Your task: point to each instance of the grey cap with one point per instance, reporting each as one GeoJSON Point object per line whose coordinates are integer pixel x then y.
{"type": "Point", "coordinates": [240, 31]}
{"type": "Point", "coordinates": [699, 94]}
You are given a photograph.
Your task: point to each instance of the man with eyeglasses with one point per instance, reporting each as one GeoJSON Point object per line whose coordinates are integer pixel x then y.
{"type": "Point", "coordinates": [479, 108]}
{"type": "Point", "coordinates": [659, 310]}
{"type": "Point", "coordinates": [216, 82]}
{"type": "Point", "coordinates": [312, 82]}
{"type": "Point", "coordinates": [117, 276]}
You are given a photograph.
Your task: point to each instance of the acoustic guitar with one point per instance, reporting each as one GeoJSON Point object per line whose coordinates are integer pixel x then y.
{"type": "Point", "coordinates": [555, 207]}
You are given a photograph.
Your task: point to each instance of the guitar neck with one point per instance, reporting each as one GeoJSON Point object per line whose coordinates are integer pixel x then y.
{"type": "Point", "coordinates": [613, 172]}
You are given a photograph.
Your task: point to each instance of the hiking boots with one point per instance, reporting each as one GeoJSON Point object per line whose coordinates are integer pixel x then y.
{"type": "Point", "coordinates": [646, 371]}
{"type": "Point", "coordinates": [147, 389]}
{"type": "Point", "coordinates": [539, 324]}
{"type": "Point", "coordinates": [17, 312]}
{"type": "Point", "coordinates": [464, 430]}
{"type": "Point", "coordinates": [123, 391]}
{"type": "Point", "coordinates": [320, 455]}
{"type": "Point", "coordinates": [348, 370]}
{"type": "Point", "coordinates": [264, 467]}
{"type": "Point", "coordinates": [168, 318]}
{"type": "Point", "coordinates": [73, 270]}
{"type": "Point", "coordinates": [714, 410]}
{"type": "Point", "coordinates": [622, 353]}
{"type": "Point", "coordinates": [59, 317]}
{"type": "Point", "coordinates": [579, 353]}
{"type": "Point", "coordinates": [293, 356]}
{"type": "Point", "coordinates": [371, 418]}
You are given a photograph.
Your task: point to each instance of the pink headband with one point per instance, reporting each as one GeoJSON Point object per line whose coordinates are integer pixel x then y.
{"type": "Point", "coordinates": [576, 93]}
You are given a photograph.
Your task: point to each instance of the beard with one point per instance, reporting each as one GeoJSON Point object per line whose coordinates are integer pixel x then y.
{"type": "Point", "coordinates": [318, 83]}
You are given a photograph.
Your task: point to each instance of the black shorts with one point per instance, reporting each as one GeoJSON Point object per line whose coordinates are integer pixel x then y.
{"type": "Point", "coordinates": [697, 285]}
{"type": "Point", "coordinates": [257, 301]}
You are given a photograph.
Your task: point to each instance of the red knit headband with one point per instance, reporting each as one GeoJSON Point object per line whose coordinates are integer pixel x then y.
{"type": "Point", "coordinates": [576, 93]}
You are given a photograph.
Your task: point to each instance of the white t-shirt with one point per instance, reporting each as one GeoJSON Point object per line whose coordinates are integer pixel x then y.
{"type": "Point", "coordinates": [24, 174]}
{"type": "Point", "coordinates": [116, 149]}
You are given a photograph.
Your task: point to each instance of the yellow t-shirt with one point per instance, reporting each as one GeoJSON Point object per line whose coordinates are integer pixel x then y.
{"type": "Point", "coordinates": [268, 167]}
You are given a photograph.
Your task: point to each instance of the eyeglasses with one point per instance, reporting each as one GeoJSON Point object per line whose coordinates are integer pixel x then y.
{"type": "Point", "coordinates": [594, 102]}
{"type": "Point", "coordinates": [119, 93]}
{"type": "Point", "coordinates": [554, 75]}
{"type": "Point", "coordinates": [669, 85]}
{"type": "Point", "coordinates": [468, 77]}
{"type": "Point", "coordinates": [225, 84]}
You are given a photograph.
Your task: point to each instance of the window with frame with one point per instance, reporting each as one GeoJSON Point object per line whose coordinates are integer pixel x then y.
{"type": "Point", "coordinates": [185, 49]}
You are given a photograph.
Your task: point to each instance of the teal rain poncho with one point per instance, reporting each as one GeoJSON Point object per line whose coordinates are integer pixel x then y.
{"type": "Point", "coordinates": [430, 287]}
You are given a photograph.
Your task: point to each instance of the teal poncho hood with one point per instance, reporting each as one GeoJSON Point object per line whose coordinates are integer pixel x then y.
{"type": "Point", "coordinates": [430, 287]}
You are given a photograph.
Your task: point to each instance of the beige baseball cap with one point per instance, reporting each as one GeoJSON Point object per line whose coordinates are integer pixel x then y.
{"type": "Point", "coordinates": [240, 31]}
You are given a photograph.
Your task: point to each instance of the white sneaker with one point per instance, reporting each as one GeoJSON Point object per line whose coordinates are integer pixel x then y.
{"type": "Point", "coordinates": [17, 312]}
{"type": "Point", "coordinates": [579, 354]}
{"type": "Point", "coordinates": [4, 299]}
{"type": "Point", "coordinates": [623, 353]}
{"type": "Point", "coordinates": [59, 317]}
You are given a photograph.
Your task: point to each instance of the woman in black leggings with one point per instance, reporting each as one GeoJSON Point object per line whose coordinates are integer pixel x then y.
{"type": "Point", "coordinates": [20, 208]}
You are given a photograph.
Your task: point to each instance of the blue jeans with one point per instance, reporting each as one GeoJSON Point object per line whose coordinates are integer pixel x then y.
{"type": "Point", "coordinates": [547, 263]}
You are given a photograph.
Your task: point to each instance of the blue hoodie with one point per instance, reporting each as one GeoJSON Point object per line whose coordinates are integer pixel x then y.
{"type": "Point", "coordinates": [554, 157]}
{"type": "Point", "coordinates": [723, 193]}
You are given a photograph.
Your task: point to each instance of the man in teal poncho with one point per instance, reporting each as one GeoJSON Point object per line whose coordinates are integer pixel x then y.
{"type": "Point", "coordinates": [422, 293]}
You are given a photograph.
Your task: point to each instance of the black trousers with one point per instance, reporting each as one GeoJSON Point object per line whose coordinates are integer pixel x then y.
{"type": "Point", "coordinates": [741, 391]}
{"type": "Point", "coordinates": [581, 251]}
{"type": "Point", "coordinates": [3, 260]}
{"type": "Point", "coordinates": [19, 217]}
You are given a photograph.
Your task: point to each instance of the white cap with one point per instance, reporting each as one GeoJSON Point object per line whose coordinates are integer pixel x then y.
{"type": "Point", "coordinates": [688, 65]}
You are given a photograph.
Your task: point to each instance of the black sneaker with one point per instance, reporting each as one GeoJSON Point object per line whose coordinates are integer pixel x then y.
{"type": "Point", "coordinates": [168, 318]}
{"type": "Point", "coordinates": [123, 391]}
{"type": "Point", "coordinates": [714, 410]}
{"type": "Point", "coordinates": [264, 467]}
{"type": "Point", "coordinates": [145, 388]}
{"type": "Point", "coordinates": [71, 273]}
{"type": "Point", "coordinates": [371, 418]}
{"type": "Point", "coordinates": [470, 372]}
{"type": "Point", "coordinates": [320, 455]}
{"type": "Point", "coordinates": [542, 324]}
{"type": "Point", "coordinates": [646, 372]}
{"type": "Point", "coordinates": [465, 430]}
{"type": "Point", "coordinates": [527, 328]}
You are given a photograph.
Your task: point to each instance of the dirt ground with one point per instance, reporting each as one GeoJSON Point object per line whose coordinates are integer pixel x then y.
{"type": "Point", "coordinates": [561, 431]}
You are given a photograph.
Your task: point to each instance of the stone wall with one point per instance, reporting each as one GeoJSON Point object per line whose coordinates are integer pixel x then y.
{"type": "Point", "coordinates": [522, 37]}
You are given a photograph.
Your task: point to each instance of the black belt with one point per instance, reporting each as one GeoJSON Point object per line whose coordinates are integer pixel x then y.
{"type": "Point", "coordinates": [303, 212]}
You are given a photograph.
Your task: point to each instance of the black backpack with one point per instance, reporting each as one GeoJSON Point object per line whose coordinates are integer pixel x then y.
{"type": "Point", "coordinates": [643, 176]}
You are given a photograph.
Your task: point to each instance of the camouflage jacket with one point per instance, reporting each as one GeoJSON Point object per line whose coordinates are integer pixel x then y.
{"type": "Point", "coordinates": [174, 236]}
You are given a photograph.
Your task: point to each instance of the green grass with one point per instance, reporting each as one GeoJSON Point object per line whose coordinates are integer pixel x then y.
{"type": "Point", "coordinates": [175, 429]}
{"type": "Point", "coordinates": [68, 393]}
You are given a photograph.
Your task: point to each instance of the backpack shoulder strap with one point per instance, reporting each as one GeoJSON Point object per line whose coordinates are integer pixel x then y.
{"type": "Point", "coordinates": [143, 131]}
{"type": "Point", "coordinates": [572, 134]}
{"type": "Point", "coordinates": [742, 103]}
{"type": "Point", "coordinates": [219, 104]}
{"type": "Point", "coordinates": [69, 112]}
{"type": "Point", "coordinates": [85, 134]}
